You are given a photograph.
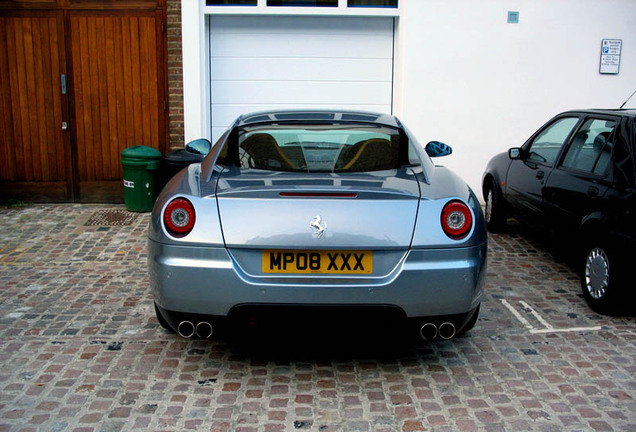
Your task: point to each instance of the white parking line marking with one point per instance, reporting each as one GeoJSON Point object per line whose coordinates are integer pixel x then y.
{"type": "Point", "coordinates": [565, 330]}
{"type": "Point", "coordinates": [517, 314]}
{"type": "Point", "coordinates": [536, 315]}
{"type": "Point", "coordinates": [548, 328]}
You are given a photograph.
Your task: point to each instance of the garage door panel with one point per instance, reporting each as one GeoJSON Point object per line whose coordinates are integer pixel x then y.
{"type": "Point", "coordinates": [269, 92]}
{"type": "Point", "coordinates": [285, 69]}
{"type": "Point", "coordinates": [301, 45]}
{"type": "Point", "coordinates": [260, 63]}
{"type": "Point", "coordinates": [284, 25]}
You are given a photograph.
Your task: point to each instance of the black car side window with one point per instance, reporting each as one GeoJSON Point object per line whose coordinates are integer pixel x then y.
{"type": "Point", "coordinates": [546, 146]}
{"type": "Point", "coordinates": [591, 147]}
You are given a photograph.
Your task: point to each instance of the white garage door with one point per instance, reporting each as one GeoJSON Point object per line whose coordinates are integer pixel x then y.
{"type": "Point", "coordinates": [260, 63]}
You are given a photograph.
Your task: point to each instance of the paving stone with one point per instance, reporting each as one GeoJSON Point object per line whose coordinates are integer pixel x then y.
{"type": "Point", "coordinates": [81, 350]}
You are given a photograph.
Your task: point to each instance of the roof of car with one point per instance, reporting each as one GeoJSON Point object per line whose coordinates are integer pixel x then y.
{"type": "Point", "coordinates": [318, 116]}
{"type": "Point", "coordinates": [630, 112]}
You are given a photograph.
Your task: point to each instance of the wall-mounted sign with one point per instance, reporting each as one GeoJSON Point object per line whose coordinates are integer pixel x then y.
{"type": "Point", "coordinates": [610, 56]}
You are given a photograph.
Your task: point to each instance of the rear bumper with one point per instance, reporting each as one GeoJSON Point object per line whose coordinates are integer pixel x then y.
{"type": "Point", "coordinates": [206, 281]}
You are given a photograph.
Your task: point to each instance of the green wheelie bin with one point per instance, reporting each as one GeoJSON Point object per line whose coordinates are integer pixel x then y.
{"type": "Point", "coordinates": [141, 166]}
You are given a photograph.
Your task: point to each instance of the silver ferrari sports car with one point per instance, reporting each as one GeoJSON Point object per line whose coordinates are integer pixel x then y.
{"type": "Point", "coordinates": [292, 214]}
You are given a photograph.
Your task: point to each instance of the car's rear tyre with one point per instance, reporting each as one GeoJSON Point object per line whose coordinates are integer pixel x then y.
{"type": "Point", "coordinates": [162, 321]}
{"type": "Point", "coordinates": [601, 277]}
{"type": "Point", "coordinates": [495, 213]}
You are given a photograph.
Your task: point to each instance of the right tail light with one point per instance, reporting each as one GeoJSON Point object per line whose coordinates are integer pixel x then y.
{"type": "Point", "coordinates": [457, 220]}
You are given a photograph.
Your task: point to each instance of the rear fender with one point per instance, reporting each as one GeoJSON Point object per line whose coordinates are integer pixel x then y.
{"type": "Point", "coordinates": [446, 186]}
{"type": "Point", "coordinates": [591, 228]}
{"type": "Point", "coordinates": [592, 221]}
{"type": "Point", "coordinates": [186, 184]}
{"type": "Point", "coordinates": [206, 230]}
{"type": "Point", "coordinates": [428, 228]}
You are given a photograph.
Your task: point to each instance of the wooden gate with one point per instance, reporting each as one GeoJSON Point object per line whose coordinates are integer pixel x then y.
{"type": "Point", "coordinates": [116, 96]}
{"type": "Point", "coordinates": [35, 157]}
{"type": "Point", "coordinates": [78, 86]}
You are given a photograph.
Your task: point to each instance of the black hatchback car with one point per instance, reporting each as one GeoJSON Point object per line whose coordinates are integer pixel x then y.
{"type": "Point", "coordinates": [575, 177]}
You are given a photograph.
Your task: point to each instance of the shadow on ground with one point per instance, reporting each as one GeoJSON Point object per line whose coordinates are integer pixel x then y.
{"type": "Point", "coordinates": [565, 251]}
{"type": "Point", "coordinates": [327, 340]}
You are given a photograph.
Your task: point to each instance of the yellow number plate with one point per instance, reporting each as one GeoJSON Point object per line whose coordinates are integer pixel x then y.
{"type": "Point", "coordinates": [322, 261]}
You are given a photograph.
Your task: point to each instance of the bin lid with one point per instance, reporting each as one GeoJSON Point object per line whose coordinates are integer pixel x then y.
{"type": "Point", "coordinates": [182, 157]}
{"type": "Point", "coordinates": [140, 152]}
{"type": "Point", "coordinates": [134, 162]}
{"type": "Point", "coordinates": [154, 165]}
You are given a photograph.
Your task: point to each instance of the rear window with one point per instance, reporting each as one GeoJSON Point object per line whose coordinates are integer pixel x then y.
{"type": "Point", "coordinates": [591, 148]}
{"type": "Point", "coordinates": [319, 148]}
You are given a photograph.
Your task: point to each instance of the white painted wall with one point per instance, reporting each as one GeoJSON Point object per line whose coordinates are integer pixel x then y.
{"type": "Point", "coordinates": [481, 85]}
{"type": "Point", "coordinates": [196, 93]}
{"type": "Point", "coordinates": [463, 75]}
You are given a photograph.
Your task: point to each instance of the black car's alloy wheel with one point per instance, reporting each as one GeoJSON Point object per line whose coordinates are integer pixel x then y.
{"type": "Point", "coordinates": [600, 278]}
{"type": "Point", "coordinates": [495, 214]}
{"type": "Point", "coordinates": [597, 273]}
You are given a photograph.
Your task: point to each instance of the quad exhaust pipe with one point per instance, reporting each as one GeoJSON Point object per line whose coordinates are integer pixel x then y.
{"type": "Point", "coordinates": [430, 331]}
{"type": "Point", "coordinates": [204, 330]}
{"type": "Point", "coordinates": [447, 330]}
{"type": "Point", "coordinates": [187, 329]}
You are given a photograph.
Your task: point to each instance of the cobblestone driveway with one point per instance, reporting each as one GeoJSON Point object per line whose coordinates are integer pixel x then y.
{"type": "Point", "coordinates": [81, 350]}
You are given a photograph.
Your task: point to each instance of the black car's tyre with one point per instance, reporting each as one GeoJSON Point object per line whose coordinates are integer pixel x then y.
{"type": "Point", "coordinates": [162, 321]}
{"type": "Point", "coordinates": [601, 277]}
{"type": "Point", "coordinates": [495, 213]}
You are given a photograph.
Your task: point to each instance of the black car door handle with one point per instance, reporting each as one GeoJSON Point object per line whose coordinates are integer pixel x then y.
{"type": "Point", "coordinates": [592, 192]}
{"type": "Point", "coordinates": [540, 174]}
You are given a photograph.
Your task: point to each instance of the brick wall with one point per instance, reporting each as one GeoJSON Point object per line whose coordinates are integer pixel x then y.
{"type": "Point", "coordinates": [175, 74]}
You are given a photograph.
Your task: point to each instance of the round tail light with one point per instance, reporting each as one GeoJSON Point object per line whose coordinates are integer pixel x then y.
{"type": "Point", "coordinates": [179, 217]}
{"type": "Point", "coordinates": [457, 219]}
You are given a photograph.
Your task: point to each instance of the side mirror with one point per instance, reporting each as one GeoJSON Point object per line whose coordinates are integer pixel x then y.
{"type": "Point", "coordinates": [199, 146]}
{"type": "Point", "coordinates": [514, 153]}
{"type": "Point", "coordinates": [437, 149]}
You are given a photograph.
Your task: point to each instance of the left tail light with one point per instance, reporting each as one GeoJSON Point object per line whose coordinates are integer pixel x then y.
{"type": "Point", "coordinates": [179, 217]}
{"type": "Point", "coordinates": [457, 220]}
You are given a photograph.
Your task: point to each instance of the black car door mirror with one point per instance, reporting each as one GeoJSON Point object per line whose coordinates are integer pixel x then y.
{"type": "Point", "coordinates": [514, 153]}
{"type": "Point", "coordinates": [199, 146]}
{"type": "Point", "coordinates": [438, 149]}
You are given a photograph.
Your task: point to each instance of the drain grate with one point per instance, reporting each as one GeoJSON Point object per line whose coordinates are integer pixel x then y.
{"type": "Point", "coordinates": [111, 218]}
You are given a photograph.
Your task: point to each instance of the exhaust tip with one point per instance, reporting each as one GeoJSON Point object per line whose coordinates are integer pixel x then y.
{"type": "Point", "coordinates": [447, 330]}
{"type": "Point", "coordinates": [428, 331]}
{"type": "Point", "coordinates": [186, 329]}
{"type": "Point", "coordinates": [204, 330]}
